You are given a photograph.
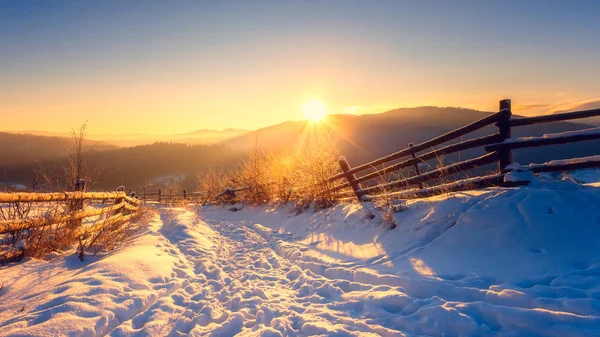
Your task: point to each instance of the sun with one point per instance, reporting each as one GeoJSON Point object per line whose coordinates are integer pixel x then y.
{"type": "Point", "coordinates": [314, 111]}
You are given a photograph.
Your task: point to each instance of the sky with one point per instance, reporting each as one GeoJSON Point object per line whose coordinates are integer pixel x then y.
{"type": "Point", "coordinates": [163, 67]}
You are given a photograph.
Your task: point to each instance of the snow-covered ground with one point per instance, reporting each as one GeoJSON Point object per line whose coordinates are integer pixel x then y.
{"type": "Point", "coordinates": [520, 262]}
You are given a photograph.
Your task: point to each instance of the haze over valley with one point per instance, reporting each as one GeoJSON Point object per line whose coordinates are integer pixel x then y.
{"type": "Point", "coordinates": [161, 161]}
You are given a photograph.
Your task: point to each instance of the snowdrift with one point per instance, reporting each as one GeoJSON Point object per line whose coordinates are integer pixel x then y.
{"type": "Point", "coordinates": [522, 262]}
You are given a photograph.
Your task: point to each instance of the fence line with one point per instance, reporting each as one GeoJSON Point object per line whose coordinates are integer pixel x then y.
{"type": "Point", "coordinates": [65, 209]}
{"type": "Point", "coordinates": [123, 204]}
{"type": "Point", "coordinates": [500, 147]}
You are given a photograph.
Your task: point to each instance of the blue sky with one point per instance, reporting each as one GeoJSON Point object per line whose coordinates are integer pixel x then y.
{"type": "Point", "coordinates": [209, 64]}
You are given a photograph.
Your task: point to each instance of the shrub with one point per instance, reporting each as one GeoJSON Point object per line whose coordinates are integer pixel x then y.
{"type": "Point", "coordinates": [278, 176]}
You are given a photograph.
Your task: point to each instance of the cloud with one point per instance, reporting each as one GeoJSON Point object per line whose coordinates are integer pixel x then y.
{"type": "Point", "coordinates": [576, 106]}
{"type": "Point", "coordinates": [371, 109]}
{"type": "Point", "coordinates": [353, 110]}
{"type": "Point", "coordinates": [557, 107]}
{"type": "Point", "coordinates": [526, 107]}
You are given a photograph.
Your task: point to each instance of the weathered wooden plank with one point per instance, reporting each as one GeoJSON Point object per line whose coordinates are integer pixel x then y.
{"type": "Point", "coordinates": [555, 117]}
{"type": "Point", "coordinates": [131, 200]}
{"type": "Point", "coordinates": [106, 222]}
{"type": "Point", "coordinates": [59, 196]}
{"type": "Point", "coordinates": [7, 226]}
{"type": "Point", "coordinates": [505, 155]}
{"type": "Point", "coordinates": [548, 139]}
{"type": "Point", "coordinates": [232, 191]}
{"type": "Point", "coordinates": [350, 178]}
{"type": "Point", "coordinates": [449, 149]}
{"type": "Point", "coordinates": [443, 171]}
{"type": "Point", "coordinates": [462, 185]}
{"type": "Point", "coordinates": [565, 165]}
{"type": "Point", "coordinates": [488, 120]}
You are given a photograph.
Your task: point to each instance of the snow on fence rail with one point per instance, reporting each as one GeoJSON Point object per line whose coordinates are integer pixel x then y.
{"type": "Point", "coordinates": [124, 206]}
{"type": "Point", "coordinates": [499, 145]}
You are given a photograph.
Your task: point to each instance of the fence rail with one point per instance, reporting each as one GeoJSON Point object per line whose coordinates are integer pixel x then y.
{"type": "Point", "coordinates": [499, 146]}
{"type": "Point", "coordinates": [58, 211]}
{"type": "Point", "coordinates": [123, 204]}
{"type": "Point", "coordinates": [169, 195]}
{"type": "Point", "coordinates": [63, 196]}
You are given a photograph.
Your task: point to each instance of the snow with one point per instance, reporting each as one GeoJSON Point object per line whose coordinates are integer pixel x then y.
{"type": "Point", "coordinates": [519, 173]}
{"type": "Point", "coordinates": [522, 173]}
{"type": "Point", "coordinates": [583, 132]}
{"type": "Point", "coordinates": [498, 261]}
{"type": "Point", "coordinates": [589, 176]}
{"type": "Point", "coordinates": [562, 162]}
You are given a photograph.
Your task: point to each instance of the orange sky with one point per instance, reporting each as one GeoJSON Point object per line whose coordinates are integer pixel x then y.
{"type": "Point", "coordinates": [161, 69]}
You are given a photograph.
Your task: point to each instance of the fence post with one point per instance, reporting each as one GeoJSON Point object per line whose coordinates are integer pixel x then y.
{"type": "Point", "coordinates": [80, 185]}
{"type": "Point", "coordinates": [349, 176]}
{"type": "Point", "coordinates": [159, 195]}
{"type": "Point", "coordinates": [505, 132]}
{"type": "Point", "coordinates": [119, 200]}
{"type": "Point", "coordinates": [78, 204]}
{"type": "Point", "coordinates": [184, 194]}
{"type": "Point", "coordinates": [144, 194]}
{"type": "Point", "coordinates": [417, 171]}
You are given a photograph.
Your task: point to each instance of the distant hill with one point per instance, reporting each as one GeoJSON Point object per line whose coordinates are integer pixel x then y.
{"type": "Point", "coordinates": [138, 166]}
{"type": "Point", "coordinates": [17, 149]}
{"type": "Point", "coordinates": [204, 136]}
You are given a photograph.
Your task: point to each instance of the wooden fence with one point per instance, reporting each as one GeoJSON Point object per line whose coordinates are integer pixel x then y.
{"type": "Point", "coordinates": [122, 209]}
{"type": "Point", "coordinates": [169, 196]}
{"type": "Point", "coordinates": [365, 181]}
{"type": "Point", "coordinates": [63, 208]}
{"type": "Point", "coordinates": [499, 147]}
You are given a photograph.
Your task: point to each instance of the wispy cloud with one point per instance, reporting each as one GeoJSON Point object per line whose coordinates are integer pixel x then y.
{"type": "Point", "coordinates": [362, 110]}
{"type": "Point", "coordinates": [556, 107]}
{"type": "Point", "coordinates": [528, 107]}
{"type": "Point", "coordinates": [576, 106]}
{"type": "Point", "coordinates": [353, 110]}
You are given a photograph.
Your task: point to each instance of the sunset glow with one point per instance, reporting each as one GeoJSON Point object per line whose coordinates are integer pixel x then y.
{"type": "Point", "coordinates": [207, 65]}
{"type": "Point", "coordinates": [314, 111]}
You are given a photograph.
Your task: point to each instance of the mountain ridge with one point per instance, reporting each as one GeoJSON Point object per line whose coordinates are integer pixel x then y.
{"type": "Point", "coordinates": [360, 138]}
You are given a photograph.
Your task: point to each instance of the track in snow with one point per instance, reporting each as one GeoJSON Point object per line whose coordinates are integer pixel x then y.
{"type": "Point", "coordinates": [242, 278]}
{"type": "Point", "coordinates": [237, 283]}
{"type": "Point", "coordinates": [185, 276]}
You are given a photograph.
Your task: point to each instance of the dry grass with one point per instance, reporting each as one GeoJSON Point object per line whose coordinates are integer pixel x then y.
{"type": "Point", "coordinates": [277, 177]}
{"type": "Point", "coordinates": [213, 182]}
{"type": "Point", "coordinates": [104, 235]}
{"type": "Point", "coordinates": [58, 231]}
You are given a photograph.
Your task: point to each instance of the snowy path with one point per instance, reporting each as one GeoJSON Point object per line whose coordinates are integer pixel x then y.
{"type": "Point", "coordinates": [237, 282]}
{"type": "Point", "coordinates": [251, 280]}
{"type": "Point", "coordinates": [504, 262]}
